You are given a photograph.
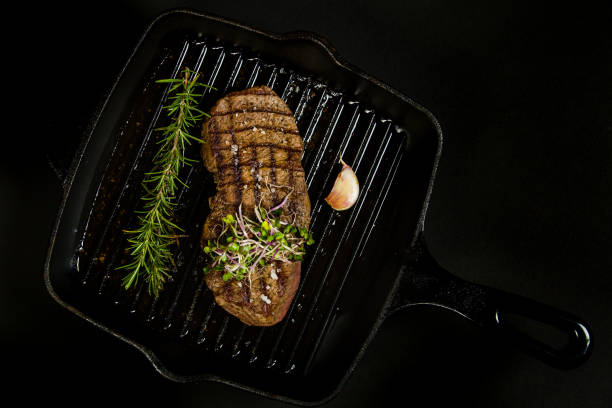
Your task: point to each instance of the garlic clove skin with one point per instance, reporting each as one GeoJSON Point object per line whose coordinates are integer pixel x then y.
{"type": "Point", "coordinates": [345, 190]}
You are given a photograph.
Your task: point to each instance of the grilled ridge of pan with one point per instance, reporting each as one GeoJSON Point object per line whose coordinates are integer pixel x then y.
{"type": "Point", "coordinates": [331, 124]}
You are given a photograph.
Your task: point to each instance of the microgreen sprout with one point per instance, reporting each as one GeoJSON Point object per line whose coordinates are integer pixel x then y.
{"type": "Point", "coordinates": [245, 244]}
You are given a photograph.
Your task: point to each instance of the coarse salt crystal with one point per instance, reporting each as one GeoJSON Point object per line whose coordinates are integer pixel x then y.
{"type": "Point", "coordinates": [273, 274]}
{"type": "Point", "coordinates": [254, 129]}
{"type": "Point", "coordinates": [265, 298]}
{"type": "Point", "coordinates": [267, 287]}
{"type": "Point", "coordinates": [239, 284]}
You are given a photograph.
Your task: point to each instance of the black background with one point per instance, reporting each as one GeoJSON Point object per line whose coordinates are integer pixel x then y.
{"type": "Point", "coordinates": [521, 202]}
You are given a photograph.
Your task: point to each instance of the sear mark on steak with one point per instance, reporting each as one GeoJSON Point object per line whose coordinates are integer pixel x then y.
{"type": "Point", "coordinates": [253, 148]}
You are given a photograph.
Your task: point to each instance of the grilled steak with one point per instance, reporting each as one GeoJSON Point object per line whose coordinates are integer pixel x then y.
{"type": "Point", "coordinates": [253, 148]}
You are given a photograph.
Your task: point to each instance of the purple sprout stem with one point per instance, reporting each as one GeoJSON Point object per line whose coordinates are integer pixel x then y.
{"type": "Point", "coordinates": [240, 223]}
{"type": "Point", "coordinates": [261, 255]}
{"type": "Point", "coordinates": [281, 205]}
{"type": "Point", "coordinates": [276, 251]}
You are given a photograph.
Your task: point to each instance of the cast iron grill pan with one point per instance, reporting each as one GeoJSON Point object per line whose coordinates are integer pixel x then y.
{"type": "Point", "coordinates": [348, 276]}
{"type": "Point", "coordinates": [332, 125]}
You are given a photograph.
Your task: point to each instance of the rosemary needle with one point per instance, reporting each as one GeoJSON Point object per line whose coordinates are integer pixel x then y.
{"type": "Point", "coordinates": [149, 245]}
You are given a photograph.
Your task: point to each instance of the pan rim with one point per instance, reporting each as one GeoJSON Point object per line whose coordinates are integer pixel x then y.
{"type": "Point", "coordinates": [323, 44]}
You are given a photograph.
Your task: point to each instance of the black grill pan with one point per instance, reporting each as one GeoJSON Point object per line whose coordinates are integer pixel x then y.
{"type": "Point", "coordinates": [367, 262]}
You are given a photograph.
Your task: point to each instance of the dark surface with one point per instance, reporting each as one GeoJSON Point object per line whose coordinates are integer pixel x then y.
{"type": "Point", "coordinates": [521, 201]}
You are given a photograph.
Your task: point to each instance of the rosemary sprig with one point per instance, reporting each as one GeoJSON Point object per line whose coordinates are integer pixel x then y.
{"type": "Point", "coordinates": [149, 244]}
{"type": "Point", "coordinates": [245, 244]}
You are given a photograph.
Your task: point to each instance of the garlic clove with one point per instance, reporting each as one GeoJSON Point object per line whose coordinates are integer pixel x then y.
{"type": "Point", "coordinates": [345, 191]}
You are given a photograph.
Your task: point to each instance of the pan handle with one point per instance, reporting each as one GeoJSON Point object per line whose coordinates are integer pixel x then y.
{"type": "Point", "coordinates": [423, 281]}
